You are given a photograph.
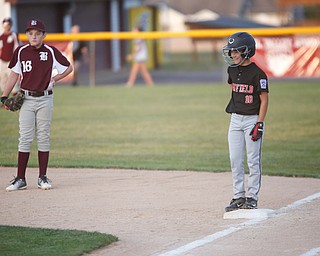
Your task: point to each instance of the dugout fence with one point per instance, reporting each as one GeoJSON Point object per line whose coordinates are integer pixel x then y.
{"type": "Point", "coordinates": [93, 37]}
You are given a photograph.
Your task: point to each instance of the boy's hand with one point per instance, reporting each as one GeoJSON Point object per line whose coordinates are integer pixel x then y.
{"type": "Point", "coordinates": [257, 131]}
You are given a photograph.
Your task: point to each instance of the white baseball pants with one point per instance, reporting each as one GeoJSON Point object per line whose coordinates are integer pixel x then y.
{"type": "Point", "coordinates": [239, 141]}
{"type": "Point", "coordinates": [35, 118]}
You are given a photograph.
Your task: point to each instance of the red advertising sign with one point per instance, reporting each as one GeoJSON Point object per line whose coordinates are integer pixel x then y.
{"type": "Point", "coordinates": [291, 56]}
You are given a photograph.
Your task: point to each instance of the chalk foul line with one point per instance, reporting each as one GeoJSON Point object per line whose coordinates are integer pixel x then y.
{"type": "Point", "coordinates": [235, 228]}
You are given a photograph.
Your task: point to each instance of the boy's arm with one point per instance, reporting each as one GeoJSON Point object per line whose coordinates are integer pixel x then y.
{"type": "Point", "coordinates": [257, 130]}
{"type": "Point", "coordinates": [263, 106]}
{"type": "Point", "coordinates": [58, 77]}
{"type": "Point", "coordinates": [12, 79]}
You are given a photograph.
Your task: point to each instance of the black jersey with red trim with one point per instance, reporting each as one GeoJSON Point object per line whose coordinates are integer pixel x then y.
{"type": "Point", "coordinates": [247, 82]}
{"type": "Point", "coordinates": [36, 65]}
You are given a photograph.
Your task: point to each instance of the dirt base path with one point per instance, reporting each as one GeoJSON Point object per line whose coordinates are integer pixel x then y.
{"type": "Point", "coordinates": [154, 212]}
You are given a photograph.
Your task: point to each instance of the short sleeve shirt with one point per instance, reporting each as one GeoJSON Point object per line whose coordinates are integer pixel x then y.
{"type": "Point", "coordinates": [8, 43]}
{"type": "Point", "coordinates": [36, 66]}
{"type": "Point", "coordinates": [247, 82]}
{"type": "Point", "coordinates": [142, 54]}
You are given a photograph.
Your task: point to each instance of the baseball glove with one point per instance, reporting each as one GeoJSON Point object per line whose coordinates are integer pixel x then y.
{"type": "Point", "coordinates": [14, 103]}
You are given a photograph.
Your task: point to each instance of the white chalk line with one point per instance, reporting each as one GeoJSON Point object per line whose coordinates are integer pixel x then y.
{"type": "Point", "coordinates": [298, 203]}
{"type": "Point", "coordinates": [240, 226]}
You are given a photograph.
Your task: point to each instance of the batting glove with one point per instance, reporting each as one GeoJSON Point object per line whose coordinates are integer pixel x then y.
{"type": "Point", "coordinates": [257, 131]}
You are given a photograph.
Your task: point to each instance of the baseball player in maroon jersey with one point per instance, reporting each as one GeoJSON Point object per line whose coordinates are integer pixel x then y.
{"type": "Point", "coordinates": [35, 62]}
{"type": "Point", "coordinates": [248, 107]}
{"type": "Point", "coordinates": [8, 43]}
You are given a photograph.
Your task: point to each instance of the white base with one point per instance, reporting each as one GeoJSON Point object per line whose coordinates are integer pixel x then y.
{"type": "Point", "coordinates": [248, 214]}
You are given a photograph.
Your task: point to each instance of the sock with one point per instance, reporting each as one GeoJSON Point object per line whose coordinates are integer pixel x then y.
{"type": "Point", "coordinates": [43, 159]}
{"type": "Point", "coordinates": [23, 158]}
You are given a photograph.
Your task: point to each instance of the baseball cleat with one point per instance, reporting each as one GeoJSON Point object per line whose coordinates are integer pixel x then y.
{"type": "Point", "coordinates": [250, 203]}
{"type": "Point", "coordinates": [44, 183]}
{"type": "Point", "coordinates": [17, 184]}
{"type": "Point", "coordinates": [235, 204]}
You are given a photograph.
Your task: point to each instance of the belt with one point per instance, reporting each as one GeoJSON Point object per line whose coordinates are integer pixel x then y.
{"type": "Point", "coordinates": [36, 93]}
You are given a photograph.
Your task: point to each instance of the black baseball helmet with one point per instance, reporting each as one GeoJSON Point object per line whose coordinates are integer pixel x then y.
{"type": "Point", "coordinates": [242, 42]}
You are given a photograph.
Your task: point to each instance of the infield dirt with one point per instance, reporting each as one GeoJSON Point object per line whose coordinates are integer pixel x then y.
{"type": "Point", "coordinates": [153, 212]}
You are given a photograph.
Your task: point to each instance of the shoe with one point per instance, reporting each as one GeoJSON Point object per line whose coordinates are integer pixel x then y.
{"type": "Point", "coordinates": [17, 184]}
{"type": "Point", "coordinates": [44, 183]}
{"type": "Point", "coordinates": [250, 203]}
{"type": "Point", "coordinates": [235, 204]}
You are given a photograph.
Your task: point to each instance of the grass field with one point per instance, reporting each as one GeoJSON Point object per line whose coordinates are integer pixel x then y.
{"type": "Point", "coordinates": [183, 61]}
{"type": "Point", "coordinates": [24, 241]}
{"type": "Point", "coordinates": [171, 127]}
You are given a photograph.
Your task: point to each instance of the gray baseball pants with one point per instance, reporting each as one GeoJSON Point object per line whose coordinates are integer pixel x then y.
{"type": "Point", "coordinates": [239, 142]}
{"type": "Point", "coordinates": [35, 118]}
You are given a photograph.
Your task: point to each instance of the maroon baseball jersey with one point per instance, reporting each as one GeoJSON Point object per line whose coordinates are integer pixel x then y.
{"type": "Point", "coordinates": [8, 42]}
{"type": "Point", "coordinates": [247, 83]}
{"type": "Point", "coordinates": [36, 65]}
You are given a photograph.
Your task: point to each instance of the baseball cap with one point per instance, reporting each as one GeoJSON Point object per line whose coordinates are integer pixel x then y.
{"type": "Point", "coordinates": [9, 20]}
{"type": "Point", "coordinates": [35, 24]}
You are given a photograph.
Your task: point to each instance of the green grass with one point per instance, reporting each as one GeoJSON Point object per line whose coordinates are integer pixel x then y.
{"type": "Point", "coordinates": [171, 127]}
{"type": "Point", "coordinates": [184, 61]}
{"type": "Point", "coordinates": [26, 241]}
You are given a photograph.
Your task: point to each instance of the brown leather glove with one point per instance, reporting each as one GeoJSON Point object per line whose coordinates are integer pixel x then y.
{"type": "Point", "coordinates": [14, 103]}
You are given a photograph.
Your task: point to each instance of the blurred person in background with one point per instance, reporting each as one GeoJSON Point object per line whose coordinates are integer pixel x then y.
{"type": "Point", "coordinates": [139, 57]}
{"type": "Point", "coordinates": [78, 51]}
{"type": "Point", "coordinates": [8, 43]}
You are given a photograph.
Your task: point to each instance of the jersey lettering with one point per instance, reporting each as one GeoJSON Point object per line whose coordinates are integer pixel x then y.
{"type": "Point", "coordinates": [243, 88]}
{"type": "Point", "coordinates": [26, 66]}
{"type": "Point", "coordinates": [43, 56]}
{"type": "Point", "coordinates": [249, 99]}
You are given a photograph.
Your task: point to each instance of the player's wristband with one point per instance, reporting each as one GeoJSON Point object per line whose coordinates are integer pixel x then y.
{"type": "Point", "coordinates": [260, 125]}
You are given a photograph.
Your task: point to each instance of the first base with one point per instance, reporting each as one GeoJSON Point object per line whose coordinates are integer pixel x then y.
{"type": "Point", "coordinates": [248, 214]}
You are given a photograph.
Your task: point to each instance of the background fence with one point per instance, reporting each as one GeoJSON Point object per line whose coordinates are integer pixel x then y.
{"type": "Point", "coordinates": [285, 55]}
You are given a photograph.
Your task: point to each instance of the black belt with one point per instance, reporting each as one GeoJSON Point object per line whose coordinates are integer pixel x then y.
{"type": "Point", "coordinates": [36, 93]}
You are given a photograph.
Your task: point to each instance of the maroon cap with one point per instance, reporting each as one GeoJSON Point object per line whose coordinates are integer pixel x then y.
{"type": "Point", "coordinates": [36, 24]}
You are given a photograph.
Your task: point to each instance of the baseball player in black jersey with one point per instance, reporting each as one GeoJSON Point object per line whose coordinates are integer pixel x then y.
{"type": "Point", "coordinates": [248, 107]}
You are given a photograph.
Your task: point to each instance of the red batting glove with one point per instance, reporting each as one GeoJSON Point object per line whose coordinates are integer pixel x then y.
{"type": "Point", "coordinates": [257, 131]}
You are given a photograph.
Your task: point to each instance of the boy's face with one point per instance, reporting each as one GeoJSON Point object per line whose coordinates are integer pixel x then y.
{"type": "Point", "coordinates": [6, 26]}
{"type": "Point", "coordinates": [35, 37]}
{"type": "Point", "coordinates": [236, 56]}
